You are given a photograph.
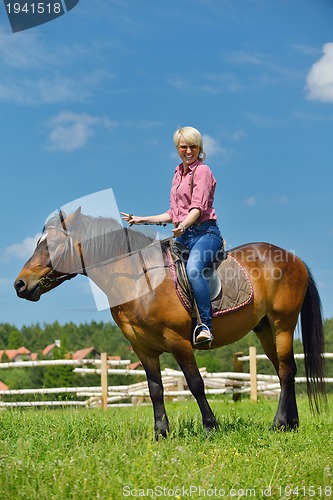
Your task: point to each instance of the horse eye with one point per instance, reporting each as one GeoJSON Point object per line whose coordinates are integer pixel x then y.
{"type": "Point", "coordinates": [52, 246]}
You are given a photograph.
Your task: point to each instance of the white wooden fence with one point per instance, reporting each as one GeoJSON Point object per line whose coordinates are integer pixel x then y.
{"type": "Point", "coordinates": [235, 383]}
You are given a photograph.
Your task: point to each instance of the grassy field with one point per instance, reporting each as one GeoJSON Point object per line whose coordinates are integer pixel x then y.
{"type": "Point", "coordinates": [88, 454]}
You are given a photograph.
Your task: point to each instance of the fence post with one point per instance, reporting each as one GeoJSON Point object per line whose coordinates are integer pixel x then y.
{"type": "Point", "coordinates": [104, 380]}
{"type": "Point", "coordinates": [238, 368]}
{"type": "Point", "coordinates": [253, 374]}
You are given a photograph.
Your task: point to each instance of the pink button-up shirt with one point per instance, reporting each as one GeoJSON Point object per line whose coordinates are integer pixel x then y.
{"type": "Point", "coordinates": [181, 201]}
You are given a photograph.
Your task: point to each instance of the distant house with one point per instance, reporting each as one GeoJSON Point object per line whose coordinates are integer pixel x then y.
{"type": "Point", "coordinates": [3, 386]}
{"type": "Point", "coordinates": [135, 366]}
{"type": "Point", "coordinates": [114, 358]}
{"type": "Point", "coordinates": [7, 355]}
{"type": "Point", "coordinates": [47, 351]}
{"type": "Point", "coordinates": [24, 351]}
{"type": "Point", "coordinates": [87, 353]}
{"type": "Point", "coordinates": [14, 355]}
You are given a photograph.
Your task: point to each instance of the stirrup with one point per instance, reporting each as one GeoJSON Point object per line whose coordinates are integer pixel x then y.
{"type": "Point", "coordinates": [208, 340]}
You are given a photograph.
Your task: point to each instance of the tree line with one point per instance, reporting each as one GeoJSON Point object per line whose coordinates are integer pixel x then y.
{"type": "Point", "coordinates": [107, 337]}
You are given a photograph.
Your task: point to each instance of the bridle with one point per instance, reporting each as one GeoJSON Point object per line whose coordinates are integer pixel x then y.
{"type": "Point", "coordinates": [47, 281]}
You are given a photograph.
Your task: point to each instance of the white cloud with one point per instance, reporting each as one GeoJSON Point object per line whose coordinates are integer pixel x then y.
{"type": "Point", "coordinates": [21, 250]}
{"type": "Point", "coordinates": [236, 136]}
{"type": "Point", "coordinates": [245, 57]}
{"type": "Point", "coordinates": [70, 131]}
{"type": "Point", "coordinates": [32, 73]}
{"type": "Point", "coordinates": [4, 282]}
{"type": "Point", "coordinates": [266, 69]}
{"type": "Point", "coordinates": [308, 50]}
{"type": "Point", "coordinates": [276, 200]}
{"type": "Point", "coordinates": [251, 201]}
{"type": "Point", "coordinates": [263, 120]}
{"type": "Point", "coordinates": [15, 51]}
{"type": "Point", "coordinates": [280, 200]}
{"type": "Point", "coordinates": [211, 83]}
{"type": "Point", "coordinates": [58, 88]}
{"type": "Point", "coordinates": [319, 82]}
{"type": "Point", "coordinates": [211, 146]}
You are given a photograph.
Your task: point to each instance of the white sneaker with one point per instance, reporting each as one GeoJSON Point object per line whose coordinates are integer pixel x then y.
{"type": "Point", "coordinates": [204, 336]}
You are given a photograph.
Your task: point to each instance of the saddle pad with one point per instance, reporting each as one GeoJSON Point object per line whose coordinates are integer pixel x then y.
{"type": "Point", "coordinates": [236, 287]}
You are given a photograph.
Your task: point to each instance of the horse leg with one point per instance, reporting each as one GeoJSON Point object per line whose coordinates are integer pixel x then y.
{"type": "Point", "coordinates": [153, 372]}
{"type": "Point", "coordinates": [280, 352]}
{"type": "Point", "coordinates": [184, 356]}
{"type": "Point", "coordinates": [278, 347]}
{"type": "Point", "coordinates": [287, 415]}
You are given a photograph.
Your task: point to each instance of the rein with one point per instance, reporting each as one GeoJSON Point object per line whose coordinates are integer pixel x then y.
{"type": "Point", "coordinates": [47, 281]}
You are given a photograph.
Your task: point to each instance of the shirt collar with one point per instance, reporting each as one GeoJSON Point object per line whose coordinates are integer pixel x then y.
{"type": "Point", "coordinates": [190, 167]}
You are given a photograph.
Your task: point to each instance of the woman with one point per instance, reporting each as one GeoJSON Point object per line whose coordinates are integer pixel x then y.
{"type": "Point", "coordinates": [191, 211]}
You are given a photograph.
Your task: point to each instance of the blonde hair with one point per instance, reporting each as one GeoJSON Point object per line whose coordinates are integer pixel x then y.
{"type": "Point", "coordinates": [191, 136]}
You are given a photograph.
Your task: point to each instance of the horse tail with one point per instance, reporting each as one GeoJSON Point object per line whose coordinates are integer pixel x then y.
{"type": "Point", "coordinates": [313, 345]}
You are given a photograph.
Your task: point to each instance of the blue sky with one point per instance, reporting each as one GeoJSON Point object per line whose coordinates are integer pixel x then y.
{"type": "Point", "coordinates": [90, 101]}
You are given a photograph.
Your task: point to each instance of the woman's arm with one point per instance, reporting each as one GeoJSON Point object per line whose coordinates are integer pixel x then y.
{"type": "Point", "coordinates": [190, 219]}
{"type": "Point", "coordinates": [150, 219]}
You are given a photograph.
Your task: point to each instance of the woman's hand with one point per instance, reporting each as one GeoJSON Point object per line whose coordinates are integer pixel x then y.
{"type": "Point", "coordinates": [149, 219]}
{"type": "Point", "coordinates": [178, 231]}
{"type": "Point", "coordinates": [190, 219]}
{"type": "Point", "coordinates": [131, 219]}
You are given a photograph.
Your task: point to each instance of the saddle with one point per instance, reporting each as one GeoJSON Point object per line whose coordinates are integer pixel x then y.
{"type": "Point", "coordinates": [229, 284]}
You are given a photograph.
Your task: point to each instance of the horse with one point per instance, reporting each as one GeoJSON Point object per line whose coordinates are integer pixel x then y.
{"type": "Point", "coordinates": [144, 304]}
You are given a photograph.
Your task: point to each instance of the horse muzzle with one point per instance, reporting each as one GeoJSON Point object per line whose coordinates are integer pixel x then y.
{"type": "Point", "coordinates": [25, 292]}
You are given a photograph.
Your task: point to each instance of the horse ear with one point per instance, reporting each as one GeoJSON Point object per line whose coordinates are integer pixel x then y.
{"type": "Point", "coordinates": [75, 215]}
{"type": "Point", "coordinates": [62, 216]}
{"type": "Point", "coordinates": [72, 218]}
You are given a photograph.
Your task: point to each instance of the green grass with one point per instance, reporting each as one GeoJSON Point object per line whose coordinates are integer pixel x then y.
{"type": "Point", "coordinates": [87, 454]}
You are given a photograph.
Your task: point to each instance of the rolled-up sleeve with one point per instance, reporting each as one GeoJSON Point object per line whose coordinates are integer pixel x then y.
{"type": "Point", "coordinates": [203, 189]}
{"type": "Point", "coordinates": [193, 189]}
{"type": "Point", "coordinates": [170, 213]}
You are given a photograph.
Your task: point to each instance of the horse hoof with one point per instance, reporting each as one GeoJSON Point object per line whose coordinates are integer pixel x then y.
{"type": "Point", "coordinates": [161, 432]}
{"type": "Point", "coordinates": [285, 427]}
{"type": "Point", "coordinates": [211, 426]}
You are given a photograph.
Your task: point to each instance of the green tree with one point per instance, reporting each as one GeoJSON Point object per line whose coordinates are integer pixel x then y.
{"type": "Point", "coordinates": [59, 375]}
{"type": "Point", "coordinates": [107, 337]}
{"type": "Point", "coordinates": [15, 340]}
{"type": "Point", "coordinates": [5, 330]}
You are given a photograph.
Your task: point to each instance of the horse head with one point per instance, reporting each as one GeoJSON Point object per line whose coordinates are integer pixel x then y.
{"type": "Point", "coordinates": [57, 258]}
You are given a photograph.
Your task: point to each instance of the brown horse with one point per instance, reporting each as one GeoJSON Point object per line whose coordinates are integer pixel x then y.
{"type": "Point", "coordinates": [127, 266]}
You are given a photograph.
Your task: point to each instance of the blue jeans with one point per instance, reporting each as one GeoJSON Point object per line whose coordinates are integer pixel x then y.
{"type": "Point", "coordinates": [204, 241]}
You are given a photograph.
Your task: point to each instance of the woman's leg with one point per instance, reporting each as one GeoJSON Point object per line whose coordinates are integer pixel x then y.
{"type": "Point", "coordinates": [201, 258]}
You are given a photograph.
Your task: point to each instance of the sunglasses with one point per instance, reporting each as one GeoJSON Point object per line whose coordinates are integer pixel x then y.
{"type": "Point", "coordinates": [192, 147]}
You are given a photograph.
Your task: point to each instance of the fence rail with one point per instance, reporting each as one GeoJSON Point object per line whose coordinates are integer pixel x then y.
{"type": "Point", "coordinates": [235, 383]}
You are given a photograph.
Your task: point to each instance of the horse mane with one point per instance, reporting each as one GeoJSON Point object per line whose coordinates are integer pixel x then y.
{"type": "Point", "coordinates": [102, 237]}
{"type": "Point", "coordinates": [107, 238]}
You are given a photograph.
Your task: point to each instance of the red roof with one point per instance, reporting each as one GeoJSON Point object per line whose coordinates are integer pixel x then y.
{"type": "Point", "coordinates": [135, 366]}
{"type": "Point", "coordinates": [3, 386]}
{"type": "Point", "coordinates": [48, 349]}
{"type": "Point", "coordinates": [23, 350]}
{"type": "Point", "coordinates": [83, 353]}
{"type": "Point", "coordinates": [12, 353]}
